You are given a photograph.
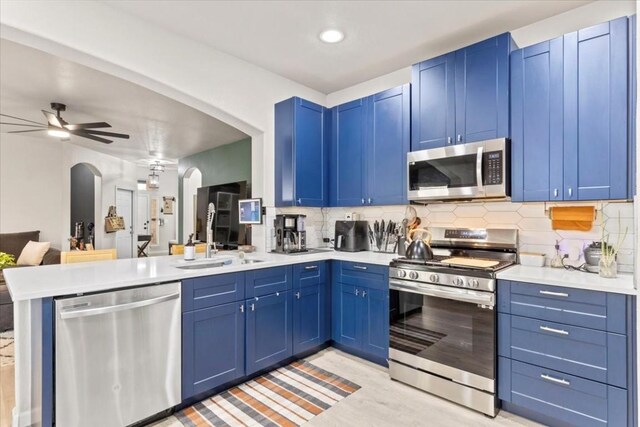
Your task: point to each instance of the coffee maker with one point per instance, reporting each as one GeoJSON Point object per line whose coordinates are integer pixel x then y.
{"type": "Point", "coordinates": [291, 236]}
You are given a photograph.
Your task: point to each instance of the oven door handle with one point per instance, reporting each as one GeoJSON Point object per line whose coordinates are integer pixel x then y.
{"type": "Point", "coordinates": [464, 295]}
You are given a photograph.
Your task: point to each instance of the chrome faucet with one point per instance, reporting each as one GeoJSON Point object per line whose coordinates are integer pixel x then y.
{"type": "Point", "coordinates": [210, 212]}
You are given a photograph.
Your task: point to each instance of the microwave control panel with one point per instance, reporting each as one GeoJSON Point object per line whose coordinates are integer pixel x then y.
{"type": "Point", "coordinates": [492, 167]}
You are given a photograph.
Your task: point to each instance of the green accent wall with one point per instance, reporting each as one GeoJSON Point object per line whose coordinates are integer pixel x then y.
{"type": "Point", "coordinates": [220, 165]}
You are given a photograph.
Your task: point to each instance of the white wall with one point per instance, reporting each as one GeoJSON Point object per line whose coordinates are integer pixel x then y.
{"type": "Point", "coordinates": [35, 186]}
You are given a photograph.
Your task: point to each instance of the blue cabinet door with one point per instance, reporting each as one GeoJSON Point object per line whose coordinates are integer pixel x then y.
{"type": "Point", "coordinates": [309, 317]}
{"type": "Point", "coordinates": [204, 333]}
{"type": "Point", "coordinates": [536, 120]}
{"type": "Point", "coordinates": [348, 166]}
{"type": "Point", "coordinates": [433, 103]}
{"type": "Point", "coordinates": [375, 312]}
{"type": "Point", "coordinates": [595, 112]}
{"type": "Point", "coordinates": [302, 132]}
{"type": "Point", "coordinates": [482, 90]}
{"type": "Point", "coordinates": [387, 146]}
{"type": "Point", "coordinates": [346, 315]}
{"type": "Point", "coordinates": [269, 328]}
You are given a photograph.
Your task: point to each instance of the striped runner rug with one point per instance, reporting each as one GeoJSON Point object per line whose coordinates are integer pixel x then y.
{"type": "Point", "coordinates": [287, 397]}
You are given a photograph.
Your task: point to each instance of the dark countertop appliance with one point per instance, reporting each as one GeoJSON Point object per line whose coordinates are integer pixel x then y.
{"type": "Point", "coordinates": [351, 236]}
{"type": "Point", "coordinates": [291, 236]}
{"type": "Point", "coordinates": [442, 316]}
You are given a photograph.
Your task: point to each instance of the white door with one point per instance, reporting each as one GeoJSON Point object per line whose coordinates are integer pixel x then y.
{"type": "Point", "coordinates": [142, 223]}
{"type": "Point", "coordinates": [124, 238]}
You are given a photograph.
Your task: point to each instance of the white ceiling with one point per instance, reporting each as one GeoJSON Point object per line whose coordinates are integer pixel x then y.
{"type": "Point", "coordinates": [381, 36]}
{"type": "Point", "coordinates": [31, 79]}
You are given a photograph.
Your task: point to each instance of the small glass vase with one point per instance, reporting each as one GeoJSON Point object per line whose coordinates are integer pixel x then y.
{"type": "Point", "coordinates": [608, 269]}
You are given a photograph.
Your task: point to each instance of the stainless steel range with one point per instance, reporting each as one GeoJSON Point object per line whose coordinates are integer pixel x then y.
{"type": "Point", "coordinates": [442, 336]}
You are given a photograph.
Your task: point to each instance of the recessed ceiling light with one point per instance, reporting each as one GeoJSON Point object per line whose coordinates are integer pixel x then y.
{"type": "Point", "coordinates": [331, 36]}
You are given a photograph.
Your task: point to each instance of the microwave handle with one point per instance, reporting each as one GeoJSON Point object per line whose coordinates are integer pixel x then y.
{"type": "Point", "coordinates": [479, 168]}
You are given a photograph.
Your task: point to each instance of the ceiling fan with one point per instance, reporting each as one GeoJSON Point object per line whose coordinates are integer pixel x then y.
{"type": "Point", "coordinates": [58, 127]}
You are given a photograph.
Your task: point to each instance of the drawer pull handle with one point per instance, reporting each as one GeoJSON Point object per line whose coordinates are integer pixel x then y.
{"type": "Point", "coordinates": [241, 308]}
{"type": "Point", "coordinates": [555, 294]}
{"type": "Point", "coordinates": [554, 380]}
{"type": "Point", "coordinates": [364, 294]}
{"type": "Point", "coordinates": [297, 295]}
{"type": "Point", "coordinates": [357, 292]}
{"type": "Point", "coordinates": [360, 267]}
{"type": "Point", "coordinates": [311, 267]}
{"type": "Point", "coordinates": [555, 331]}
{"type": "Point", "coordinates": [253, 307]}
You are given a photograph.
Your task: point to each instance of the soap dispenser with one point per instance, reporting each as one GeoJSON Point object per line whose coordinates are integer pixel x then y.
{"type": "Point", "coordinates": [556, 262]}
{"type": "Point", "coordinates": [190, 249]}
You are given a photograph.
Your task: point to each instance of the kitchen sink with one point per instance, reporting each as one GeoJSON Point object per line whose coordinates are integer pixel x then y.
{"type": "Point", "coordinates": [201, 265]}
{"type": "Point", "coordinates": [250, 261]}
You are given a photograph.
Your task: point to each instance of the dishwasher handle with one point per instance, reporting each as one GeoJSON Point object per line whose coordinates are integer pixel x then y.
{"type": "Point", "coordinates": [72, 314]}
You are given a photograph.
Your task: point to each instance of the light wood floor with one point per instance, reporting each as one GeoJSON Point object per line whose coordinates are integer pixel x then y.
{"type": "Point", "coordinates": [7, 398]}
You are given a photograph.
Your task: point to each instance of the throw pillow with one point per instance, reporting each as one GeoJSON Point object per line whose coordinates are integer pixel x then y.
{"type": "Point", "coordinates": [33, 252]}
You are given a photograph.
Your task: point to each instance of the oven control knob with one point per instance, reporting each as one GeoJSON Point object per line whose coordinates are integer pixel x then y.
{"type": "Point", "coordinates": [413, 275]}
{"type": "Point", "coordinates": [474, 283]}
{"type": "Point", "coordinates": [434, 278]}
{"type": "Point", "coordinates": [458, 281]}
{"type": "Point", "coordinates": [402, 273]}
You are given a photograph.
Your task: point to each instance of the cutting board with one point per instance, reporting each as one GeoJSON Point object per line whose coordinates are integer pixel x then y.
{"type": "Point", "coordinates": [471, 262]}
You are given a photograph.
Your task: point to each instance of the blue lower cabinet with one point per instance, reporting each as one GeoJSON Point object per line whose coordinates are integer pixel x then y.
{"type": "Point", "coordinates": [204, 333]}
{"type": "Point", "coordinates": [376, 322]}
{"type": "Point", "coordinates": [310, 315]}
{"type": "Point", "coordinates": [346, 329]}
{"type": "Point", "coordinates": [559, 398]}
{"type": "Point", "coordinates": [269, 330]}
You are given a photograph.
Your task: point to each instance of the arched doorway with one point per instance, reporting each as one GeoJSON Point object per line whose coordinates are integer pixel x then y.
{"type": "Point", "coordinates": [85, 206]}
{"type": "Point", "coordinates": [191, 182]}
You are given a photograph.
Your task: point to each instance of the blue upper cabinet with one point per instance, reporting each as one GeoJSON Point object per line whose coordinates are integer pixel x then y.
{"type": "Point", "coordinates": [433, 103]}
{"type": "Point", "coordinates": [595, 112]}
{"type": "Point", "coordinates": [387, 146]}
{"type": "Point", "coordinates": [370, 141]}
{"type": "Point", "coordinates": [462, 96]}
{"type": "Point", "coordinates": [536, 121]}
{"type": "Point", "coordinates": [482, 90]}
{"type": "Point", "coordinates": [302, 131]}
{"type": "Point", "coordinates": [347, 153]}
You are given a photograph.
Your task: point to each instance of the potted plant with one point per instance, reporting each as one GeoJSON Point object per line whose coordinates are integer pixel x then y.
{"type": "Point", "coordinates": [608, 264]}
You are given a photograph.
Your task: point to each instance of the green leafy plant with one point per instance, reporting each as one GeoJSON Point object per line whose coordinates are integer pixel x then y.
{"type": "Point", "coordinates": [609, 248]}
{"type": "Point", "coordinates": [6, 260]}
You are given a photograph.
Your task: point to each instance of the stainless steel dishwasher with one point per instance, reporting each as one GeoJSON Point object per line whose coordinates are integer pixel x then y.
{"type": "Point", "coordinates": [117, 356]}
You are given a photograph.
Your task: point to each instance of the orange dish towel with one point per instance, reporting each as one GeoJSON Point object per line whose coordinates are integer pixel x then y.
{"type": "Point", "coordinates": [578, 218]}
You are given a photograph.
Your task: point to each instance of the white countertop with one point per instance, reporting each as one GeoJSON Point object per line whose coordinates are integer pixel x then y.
{"type": "Point", "coordinates": [68, 279]}
{"type": "Point", "coordinates": [623, 284]}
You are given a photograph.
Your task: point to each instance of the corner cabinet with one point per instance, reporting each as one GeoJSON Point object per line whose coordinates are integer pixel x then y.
{"type": "Point", "coordinates": [570, 116]}
{"type": "Point", "coordinates": [370, 140]}
{"type": "Point", "coordinates": [302, 131]}
{"type": "Point", "coordinates": [462, 96]}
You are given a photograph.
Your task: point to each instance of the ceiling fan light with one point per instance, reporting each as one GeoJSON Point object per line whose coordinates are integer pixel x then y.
{"type": "Point", "coordinates": [58, 133]}
{"type": "Point", "coordinates": [331, 35]}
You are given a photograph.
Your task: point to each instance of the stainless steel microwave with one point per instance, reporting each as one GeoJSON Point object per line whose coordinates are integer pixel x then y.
{"type": "Point", "coordinates": [478, 170]}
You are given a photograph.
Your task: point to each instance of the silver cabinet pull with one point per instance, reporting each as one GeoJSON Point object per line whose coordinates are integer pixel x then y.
{"type": "Point", "coordinates": [364, 294]}
{"type": "Point", "coordinates": [241, 308]}
{"type": "Point", "coordinates": [357, 292]}
{"type": "Point", "coordinates": [277, 294]}
{"type": "Point", "coordinates": [553, 330]}
{"type": "Point", "coordinates": [369, 200]}
{"type": "Point", "coordinates": [311, 267]}
{"type": "Point", "coordinates": [360, 267]}
{"type": "Point", "coordinates": [449, 140]}
{"type": "Point", "coordinates": [554, 294]}
{"type": "Point", "coordinates": [362, 200]}
{"type": "Point", "coordinates": [299, 201]}
{"type": "Point", "coordinates": [297, 295]}
{"type": "Point", "coordinates": [554, 379]}
{"type": "Point", "coordinates": [570, 191]}
{"type": "Point", "coordinates": [253, 307]}
{"type": "Point", "coordinates": [555, 192]}
{"type": "Point", "coordinates": [459, 138]}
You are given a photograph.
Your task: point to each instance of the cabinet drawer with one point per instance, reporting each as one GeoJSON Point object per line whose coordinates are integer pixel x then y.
{"type": "Point", "coordinates": [267, 281]}
{"type": "Point", "coordinates": [578, 307]}
{"type": "Point", "coordinates": [588, 353]}
{"type": "Point", "coordinates": [564, 397]}
{"type": "Point", "coordinates": [360, 274]}
{"type": "Point", "coordinates": [309, 274]}
{"type": "Point", "coordinates": [203, 292]}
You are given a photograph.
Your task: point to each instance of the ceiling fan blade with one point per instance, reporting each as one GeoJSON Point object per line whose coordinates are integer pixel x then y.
{"type": "Point", "coordinates": [18, 118]}
{"type": "Point", "coordinates": [89, 136]}
{"type": "Point", "coordinates": [111, 134]}
{"type": "Point", "coordinates": [24, 131]}
{"type": "Point", "coordinates": [88, 126]}
{"type": "Point", "coordinates": [52, 119]}
{"type": "Point", "coordinates": [23, 124]}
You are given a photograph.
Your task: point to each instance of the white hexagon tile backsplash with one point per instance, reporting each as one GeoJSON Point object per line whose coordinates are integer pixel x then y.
{"type": "Point", "coordinates": [536, 234]}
